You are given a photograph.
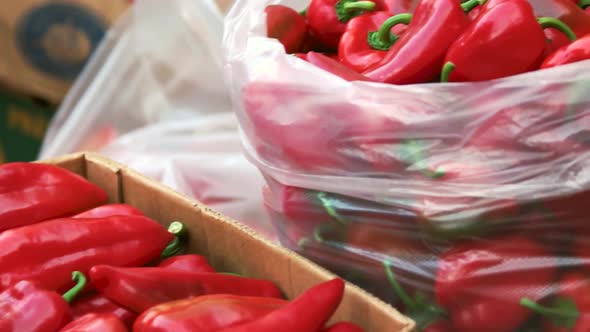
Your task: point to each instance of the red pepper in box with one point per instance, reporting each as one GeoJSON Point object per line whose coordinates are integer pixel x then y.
{"type": "Point", "coordinates": [308, 312]}
{"type": "Point", "coordinates": [31, 192]}
{"type": "Point", "coordinates": [110, 210]}
{"type": "Point", "coordinates": [207, 313]}
{"type": "Point", "coordinates": [98, 304]}
{"type": "Point", "coordinates": [189, 263]}
{"type": "Point", "coordinates": [574, 52]}
{"type": "Point", "coordinates": [327, 19]}
{"type": "Point", "coordinates": [96, 323]}
{"type": "Point", "coordinates": [141, 288]}
{"type": "Point", "coordinates": [26, 307]}
{"type": "Point", "coordinates": [368, 38]}
{"type": "Point", "coordinates": [569, 310]}
{"type": "Point", "coordinates": [419, 53]}
{"type": "Point", "coordinates": [47, 252]}
{"type": "Point", "coordinates": [286, 25]}
{"type": "Point", "coordinates": [506, 39]}
{"type": "Point", "coordinates": [481, 283]}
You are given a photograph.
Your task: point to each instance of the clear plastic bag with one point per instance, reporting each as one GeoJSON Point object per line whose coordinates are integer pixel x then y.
{"type": "Point", "coordinates": [484, 179]}
{"type": "Point", "coordinates": [153, 97]}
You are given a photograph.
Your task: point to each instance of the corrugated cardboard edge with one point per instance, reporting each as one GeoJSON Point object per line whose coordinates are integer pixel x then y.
{"type": "Point", "coordinates": [230, 245]}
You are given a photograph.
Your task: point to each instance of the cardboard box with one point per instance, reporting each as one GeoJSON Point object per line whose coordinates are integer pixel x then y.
{"type": "Point", "coordinates": [23, 122]}
{"type": "Point", "coordinates": [45, 44]}
{"type": "Point", "coordinates": [229, 245]}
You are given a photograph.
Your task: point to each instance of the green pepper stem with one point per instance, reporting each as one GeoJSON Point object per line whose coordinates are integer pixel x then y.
{"type": "Point", "coordinates": [547, 311]}
{"type": "Point", "coordinates": [304, 12]}
{"type": "Point", "coordinates": [551, 22]}
{"type": "Point", "coordinates": [383, 39]}
{"type": "Point", "coordinates": [469, 5]}
{"type": "Point", "coordinates": [448, 68]}
{"type": "Point", "coordinates": [584, 4]}
{"type": "Point", "coordinates": [399, 291]}
{"type": "Point", "coordinates": [327, 205]}
{"type": "Point", "coordinates": [179, 231]}
{"type": "Point", "coordinates": [80, 280]}
{"type": "Point", "coordinates": [359, 5]}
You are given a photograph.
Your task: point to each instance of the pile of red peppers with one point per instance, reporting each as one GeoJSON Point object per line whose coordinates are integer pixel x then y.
{"type": "Point", "coordinates": [428, 41]}
{"type": "Point", "coordinates": [71, 262]}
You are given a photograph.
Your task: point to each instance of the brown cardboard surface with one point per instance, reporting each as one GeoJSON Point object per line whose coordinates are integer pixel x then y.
{"type": "Point", "coordinates": [229, 245]}
{"type": "Point", "coordinates": [18, 73]}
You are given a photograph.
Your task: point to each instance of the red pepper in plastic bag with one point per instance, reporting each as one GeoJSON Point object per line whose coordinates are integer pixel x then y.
{"type": "Point", "coordinates": [98, 304]}
{"type": "Point", "coordinates": [31, 192]}
{"type": "Point", "coordinates": [333, 66]}
{"type": "Point", "coordinates": [327, 19]}
{"type": "Point", "coordinates": [569, 310]}
{"type": "Point", "coordinates": [419, 53]}
{"type": "Point", "coordinates": [501, 49]}
{"type": "Point", "coordinates": [96, 323]}
{"type": "Point", "coordinates": [482, 282]}
{"type": "Point", "coordinates": [368, 37]}
{"type": "Point", "coordinates": [47, 252]}
{"type": "Point", "coordinates": [343, 327]}
{"type": "Point", "coordinates": [207, 313]}
{"type": "Point", "coordinates": [566, 11]}
{"type": "Point", "coordinates": [189, 263]}
{"type": "Point", "coordinates": [141, 288]}
{"type": "Point", "coordinates": [286, 25]}
{"type": "Point", "coordinates": [110, 210]}
{"type": "Point", "coordinates": [26, 307]}
{"type": "Point", "coordinates": [308, 312]}
{"type": "Point", "coordinates": [574, 52]}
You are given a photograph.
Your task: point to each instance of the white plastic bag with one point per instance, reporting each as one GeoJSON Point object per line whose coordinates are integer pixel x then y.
{"type": "Point", "coordinates": [153, 97]}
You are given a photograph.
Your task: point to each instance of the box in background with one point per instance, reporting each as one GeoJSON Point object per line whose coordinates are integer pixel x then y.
{"type": "Point", "coordinates": [45, 44]}
{"type": "Point", "coordinates": [23, 122]}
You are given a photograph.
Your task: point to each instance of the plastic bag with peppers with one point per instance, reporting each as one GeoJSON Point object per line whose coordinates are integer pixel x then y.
{"type": "Point", "coordinates": [462, 203]}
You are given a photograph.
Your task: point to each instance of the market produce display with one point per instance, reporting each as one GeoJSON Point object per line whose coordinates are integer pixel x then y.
{"type": "Point", "coordinates": [436, 154]}
{"type": "Point", "coordinates": [70, 262]}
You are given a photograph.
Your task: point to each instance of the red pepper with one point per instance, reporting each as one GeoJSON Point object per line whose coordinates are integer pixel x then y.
{"type": "Point", "coordinates": [31, 192]}
{"type": "Point", "coordinates": [419, 53]}
{"type": "Point", "coordinates": [327, 19]}
{"type": "Point", "coordinates": [569, 311]}
{"type": "Point", "coordinates": [333, 66]}
{"type": "Point", "coordinates": [110, 210]}
{"type": "Point", "coordinates": [98, 304]}
{"type": "Point", "coordinates": [27, 307]}
{"type": "Point", "coordinates": [501, 49]}
{"type": "Point", "coordinates": [440, 326]}
{"type": "Point", "coordinates": [368, 37]}
{"type": "Point", "coordinates": [141, 288]}
{"type": "Point", "coordinates": [308, 312]}
{"type": "Point", "coordinates": [428, 317]}
{"type": "Point", "coordinates": [574, 52]}
{"type": "Point", "coordinates": [566, 11]}
{"type": "Point", "coordinates": [47, 252]}
{"type": "Point", "coordinates": [555, 40]}
{"type": "Point", "coordinates": [343, 327]}
{"type": "Point", "coordinates": [96, 323]}
{"type": "Point", "coordinates": [207, 313]}
{"type": "Point", "coordinates": [399, 6]}
{"type": "Point", "coordinates": [286, 25]}
{"type": "Point", "coordinates": [189, 263]}
{"type": "Point", "coordinates": [481, 282]}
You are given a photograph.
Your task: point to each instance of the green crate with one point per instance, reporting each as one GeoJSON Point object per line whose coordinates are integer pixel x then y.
{"type": "Point", "coordinates": [23, 123]}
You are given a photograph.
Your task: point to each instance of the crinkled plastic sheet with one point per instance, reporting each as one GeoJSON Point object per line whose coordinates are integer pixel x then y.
{"type": "Point", "coordinates": [153, 97]}
{"type": "Point", "coordinates": [360, 172]}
